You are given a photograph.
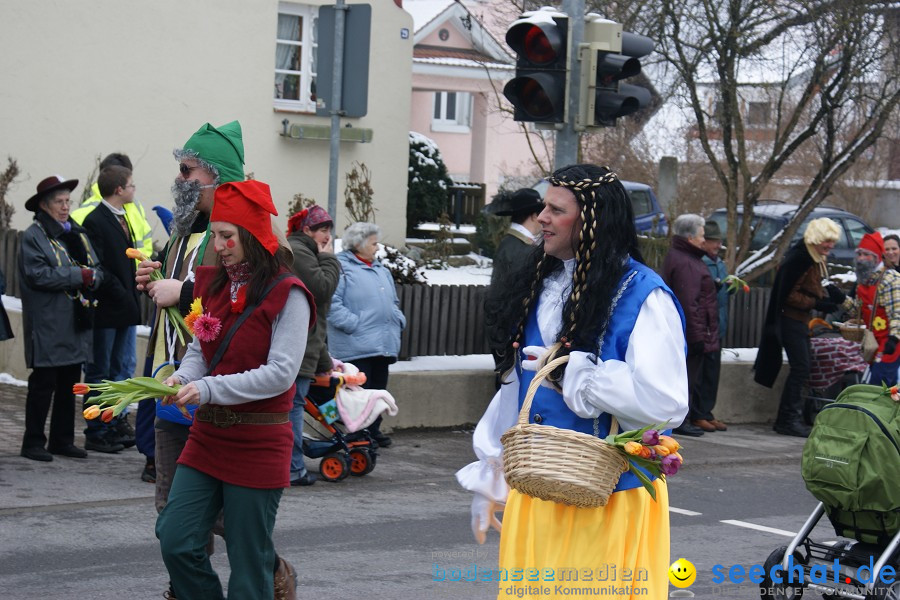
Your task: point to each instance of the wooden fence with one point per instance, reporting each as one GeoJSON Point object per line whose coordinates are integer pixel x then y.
{"type": "Point", "coordinates": [465, 201]}
{"type": "Point", "coordinates": [442, 320]}
{"type": "Point", "coordinates": [449, 319]}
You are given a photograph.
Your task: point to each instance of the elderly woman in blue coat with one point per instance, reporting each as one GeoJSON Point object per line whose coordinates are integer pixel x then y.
{"type": "Point", "coordinates": [365, 320]}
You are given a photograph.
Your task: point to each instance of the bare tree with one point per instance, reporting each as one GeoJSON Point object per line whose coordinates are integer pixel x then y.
{"type": "Point", "coordinates": [7, 177]}
{"type": "Point", "coordinates": [776, 89]}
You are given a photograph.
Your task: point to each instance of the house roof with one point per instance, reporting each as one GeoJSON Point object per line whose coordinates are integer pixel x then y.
{"type": "Point", "coordinates": [458, 57]}
{"type": "Point", "coordinates": [429, 15]}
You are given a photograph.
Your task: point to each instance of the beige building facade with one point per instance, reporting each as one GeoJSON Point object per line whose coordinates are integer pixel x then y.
{"type": "Point", "coordinates": [83, 79]}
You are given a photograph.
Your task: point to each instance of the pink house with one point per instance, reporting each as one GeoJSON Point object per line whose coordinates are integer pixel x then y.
{"type": "Point", "coordinates": [459, 69]}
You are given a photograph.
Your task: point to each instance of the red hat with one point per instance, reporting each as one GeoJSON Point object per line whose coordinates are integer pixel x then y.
{"type": "Point", "coordinates": [873, 243]}
{"type": "Point", "coordinates": [308, 217]}
{"type": "Point", "coordinates": [248, 204]}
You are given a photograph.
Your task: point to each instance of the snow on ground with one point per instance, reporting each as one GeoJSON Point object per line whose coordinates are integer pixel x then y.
{"type": "Point", "coordinates": [473, 362]}
{"type": "Point", "coordinates": [465, 229]}
{"type": "Point", "coordinates": [10, 380]}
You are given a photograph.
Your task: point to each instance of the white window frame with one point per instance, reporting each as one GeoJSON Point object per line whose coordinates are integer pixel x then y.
{"type": "Point", "coordinates": [308, 45]}
{"type": "Point", "coordinates": [463, 101]}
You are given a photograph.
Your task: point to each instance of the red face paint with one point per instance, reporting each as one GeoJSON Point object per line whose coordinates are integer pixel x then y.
{"type": "Point", "coordinates": [230, 244]}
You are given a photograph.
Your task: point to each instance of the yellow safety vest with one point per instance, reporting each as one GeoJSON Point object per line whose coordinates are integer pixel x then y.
{"type": "Point", "coordinates": [134, 214]}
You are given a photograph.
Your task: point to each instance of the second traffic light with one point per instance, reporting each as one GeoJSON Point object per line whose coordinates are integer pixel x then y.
{"type": "Point", "coordinates": [609, 55]}
{"type": "Point", "coordinates": [538, 92]}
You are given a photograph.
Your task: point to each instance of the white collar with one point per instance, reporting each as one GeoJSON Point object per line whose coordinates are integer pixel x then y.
{"type": "Point", "coordinates": [523, 230]}
{"type": "Point", "coordinates": [116, 211]}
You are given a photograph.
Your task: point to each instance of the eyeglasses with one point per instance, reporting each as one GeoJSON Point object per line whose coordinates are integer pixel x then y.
{"type": "Point", "coordinates": [186, 170]}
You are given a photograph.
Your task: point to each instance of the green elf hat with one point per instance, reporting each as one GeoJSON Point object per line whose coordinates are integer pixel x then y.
{"type": "Point", "coordinates": [222, 147]}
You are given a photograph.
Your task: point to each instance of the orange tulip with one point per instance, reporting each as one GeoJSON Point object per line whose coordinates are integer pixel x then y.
{"type": "Point", "coordinates": [662, 450]}
{"type": "Point", "coordinates": [135, 254]}
{"type": "Point", "coordinates": [645, 452]}
{"type": "Point", "coordinates": [670, 443]}
{"type": "Point", "coordinates": [633, 448]}
{"type": "Point", "coordinates": [91, 412]}
{"type": "Point", "coordinates": [107, 415]}
{"type": "Point", "coordinates": [81, 388]}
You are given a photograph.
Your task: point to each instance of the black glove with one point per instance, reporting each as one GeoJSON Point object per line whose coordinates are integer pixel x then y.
{"type": "Point", "coordinates": [695, 348]}
{"type": "Point", "coordinates": [835, 294]}
{"type": "Point", "coordinates": [825, 305]}
{"type": "Point", "coordinates": [891, 344]}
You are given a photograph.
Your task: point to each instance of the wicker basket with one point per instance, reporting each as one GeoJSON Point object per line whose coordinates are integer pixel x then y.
{"type": "Point", "coordinates": [556, 464]}
{"type": "Point", "coordinates": [853, 330]}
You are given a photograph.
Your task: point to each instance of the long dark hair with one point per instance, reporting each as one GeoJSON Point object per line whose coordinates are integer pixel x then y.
{"type": "Point", "coordinates": [264, 266]}
{"type": "Point", "coordinates": [606, 240]}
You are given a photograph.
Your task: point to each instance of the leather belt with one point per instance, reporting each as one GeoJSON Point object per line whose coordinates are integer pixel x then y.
{"type": "Point", "coordinates": [222, 416]}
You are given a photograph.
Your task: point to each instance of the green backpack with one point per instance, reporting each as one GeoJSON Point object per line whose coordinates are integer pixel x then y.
{"type": "Point", "coordinates": [851, 463]}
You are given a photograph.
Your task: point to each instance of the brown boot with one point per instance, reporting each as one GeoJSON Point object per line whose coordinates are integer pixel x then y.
{"type": "Point", "coordinates": [285, 581]}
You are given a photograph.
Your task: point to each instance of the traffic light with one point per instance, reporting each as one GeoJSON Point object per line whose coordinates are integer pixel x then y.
{"type": "Point", "coordinates": [609, 55]}
{"type": "Point", "coordinates": [540, 40]}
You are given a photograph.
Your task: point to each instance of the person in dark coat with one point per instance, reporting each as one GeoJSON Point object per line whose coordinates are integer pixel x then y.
{"type": "Point", "coordinates": [115, 325]}
{"type": "Point", "coordinates": [309, 234]}
{"type": "Point", "coordinates": [796, 291]}
{"type": "Point", "coordinates": [58, 271]}
{"type": "Point", "coordinates": [685, 272]}
{"type": "Point", "coordinates": [712, 361]}
{"type": "Point", "coordinates": [523, 207]}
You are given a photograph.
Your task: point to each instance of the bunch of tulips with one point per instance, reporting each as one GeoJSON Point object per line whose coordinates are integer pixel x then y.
{"type": "Point", "coordinates": [115, 396]}
{"type": "Point", "coordinates": [649, 449]}
{"type": "Point", "coordinates": [172, 314]}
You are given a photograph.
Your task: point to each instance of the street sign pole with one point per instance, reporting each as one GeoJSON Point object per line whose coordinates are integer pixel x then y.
{"type": "Point", "coordinates": [340, 9]}
{"type": "Point", "coordinates": [567, 139]}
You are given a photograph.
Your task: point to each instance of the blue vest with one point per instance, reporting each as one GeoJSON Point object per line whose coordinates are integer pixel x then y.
{"type": "Point", "coordinates": [548, 406]}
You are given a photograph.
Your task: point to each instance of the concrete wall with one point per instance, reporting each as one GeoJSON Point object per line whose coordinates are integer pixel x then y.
{"type": "Point", "coordinates": [83, 79]}
{"type": "Point", "coordinates": [454, 398]}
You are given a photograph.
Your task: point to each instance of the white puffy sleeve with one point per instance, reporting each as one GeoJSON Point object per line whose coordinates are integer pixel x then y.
{"type": "Point", "coordinates": [650, 386]}
{"type": "Point", "coordinates": [485, 476]}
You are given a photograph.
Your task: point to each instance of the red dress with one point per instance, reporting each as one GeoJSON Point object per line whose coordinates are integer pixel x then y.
{"type": "Point", "coordinates": [255, 456]}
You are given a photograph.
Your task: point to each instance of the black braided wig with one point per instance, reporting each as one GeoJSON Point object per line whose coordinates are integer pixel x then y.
{"type": "Point", "coordinates": [606, 239]}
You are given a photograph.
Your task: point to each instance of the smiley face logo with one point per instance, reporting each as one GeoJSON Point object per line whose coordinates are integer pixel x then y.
{"type": "Point", "coordinates": [682, 573]}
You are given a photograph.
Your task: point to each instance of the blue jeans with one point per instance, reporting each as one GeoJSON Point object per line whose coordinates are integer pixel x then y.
{"type": "Point", "coordinates": [114, 358]}
{"type": "Point", "coordinates": [298, 468]}
{"type": "Point", "coordinates": [881, 372]}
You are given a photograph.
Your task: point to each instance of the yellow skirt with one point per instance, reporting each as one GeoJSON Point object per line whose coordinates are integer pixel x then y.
{"type": "Point", "coordinates": [621, 550]}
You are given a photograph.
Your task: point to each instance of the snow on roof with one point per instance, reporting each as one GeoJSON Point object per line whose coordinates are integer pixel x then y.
{"type": "Point", "coordinates": [460, 62]}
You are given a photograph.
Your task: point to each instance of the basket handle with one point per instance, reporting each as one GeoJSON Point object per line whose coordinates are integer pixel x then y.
{"type": "Point", "coordinates": [540, 376]}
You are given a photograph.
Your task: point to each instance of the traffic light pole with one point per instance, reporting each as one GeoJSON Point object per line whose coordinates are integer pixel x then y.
{"type": "Point", "coordinates": [567, 139]}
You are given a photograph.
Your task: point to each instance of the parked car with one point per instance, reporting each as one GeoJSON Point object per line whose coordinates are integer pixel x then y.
{"type": "Point", "coordinates": [772, 216]}
{"type": "Point", "coordinates": [648, 216]}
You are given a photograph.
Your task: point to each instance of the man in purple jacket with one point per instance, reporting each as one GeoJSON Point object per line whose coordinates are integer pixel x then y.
{"type": "Point", "coordinates": [684, 271]}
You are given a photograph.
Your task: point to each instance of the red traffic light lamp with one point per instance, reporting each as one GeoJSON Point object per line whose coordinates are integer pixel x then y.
{"type": "Point", "coordinates": [538, 91]}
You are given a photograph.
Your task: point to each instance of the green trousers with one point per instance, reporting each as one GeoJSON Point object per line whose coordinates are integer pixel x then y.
{"type": "Point", "coordinates": [184, 526]}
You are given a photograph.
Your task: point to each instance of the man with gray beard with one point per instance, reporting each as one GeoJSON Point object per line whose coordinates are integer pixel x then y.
{"type": "Point", "coordinates": [211, 157]}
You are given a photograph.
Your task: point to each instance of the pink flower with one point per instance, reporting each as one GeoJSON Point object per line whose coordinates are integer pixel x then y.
{"type": "Point", "coordinates": [650, 437]}
{"type": "Point", "coordinates": [670, 464]}
{"type": "Point", "coordinates": [207, 327]}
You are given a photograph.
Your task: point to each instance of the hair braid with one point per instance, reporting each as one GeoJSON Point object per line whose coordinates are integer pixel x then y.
{"type": "Point", "coordinates": [602, 249]}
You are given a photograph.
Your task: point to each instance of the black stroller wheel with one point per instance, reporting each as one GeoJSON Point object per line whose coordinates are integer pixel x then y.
{"type": "Point", "coordinates": [885, 592]}
{"type": "Point", "coordinates": [781, 591]}
{"type": "Point", "coordinates": [362, 461]}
